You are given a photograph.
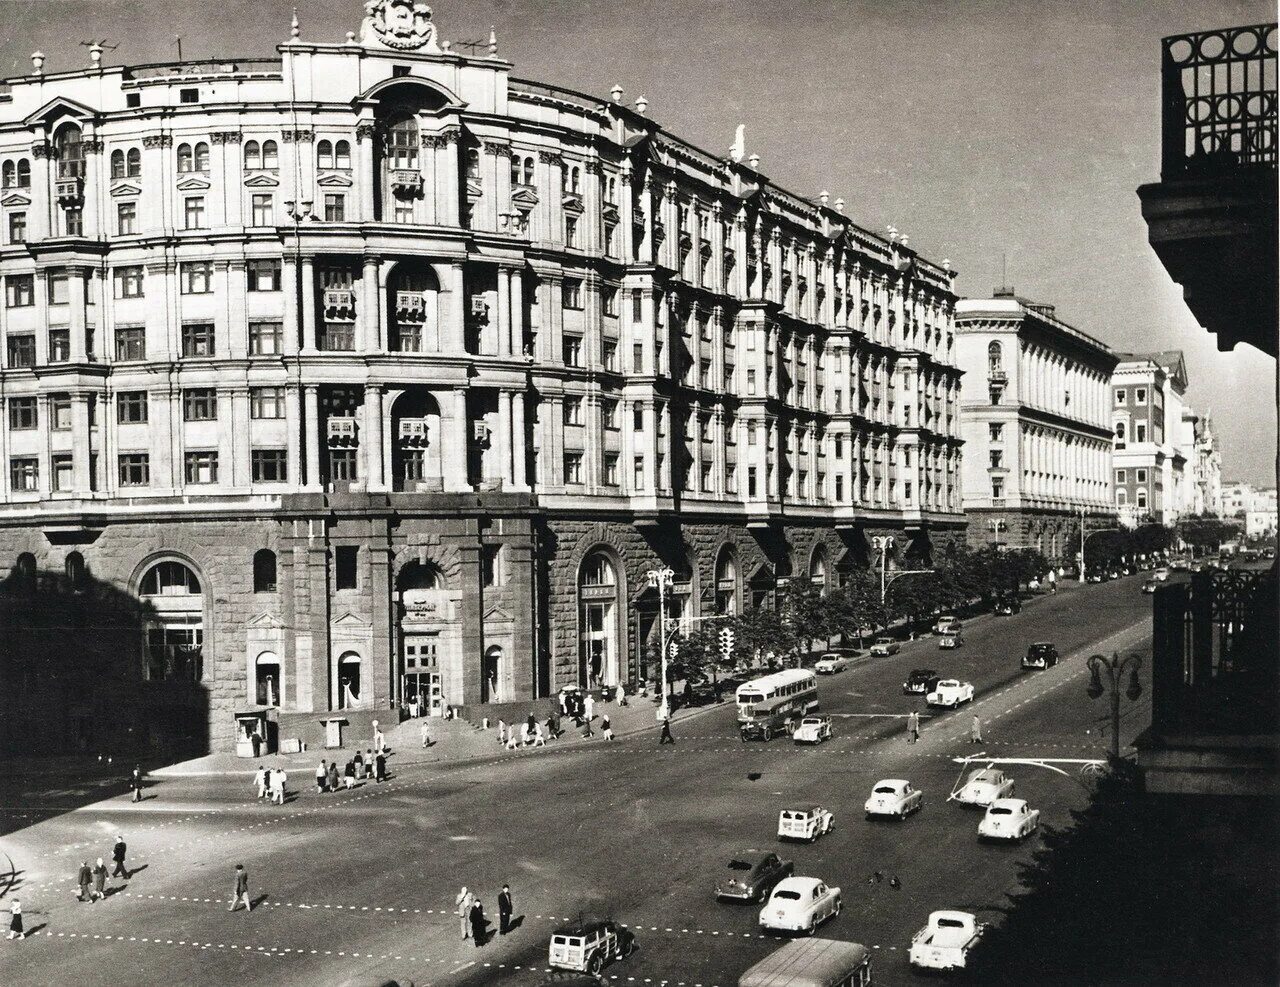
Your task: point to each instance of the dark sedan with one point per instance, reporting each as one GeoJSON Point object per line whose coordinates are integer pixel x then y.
{"type": "Point", "coordinates": [920, 682]}
{"type": "Point", "coordinates": [1042, 654]}
{"type": "Point", "coordinates": [752, 875]}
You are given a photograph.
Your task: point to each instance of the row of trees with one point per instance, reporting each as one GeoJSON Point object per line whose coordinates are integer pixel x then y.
{"type": "Point", "coordinates": [803, 615]}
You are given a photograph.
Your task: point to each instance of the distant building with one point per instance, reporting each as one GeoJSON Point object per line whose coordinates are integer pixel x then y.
{"type": "Point", "coordinates": [1035, 401]}
{"type": "Point", "coordinates": [1260, 516]}
{"type": "Point", "coordinates": [1207, 470]}
{"type": "Point", "coordinates": [1236, 498]}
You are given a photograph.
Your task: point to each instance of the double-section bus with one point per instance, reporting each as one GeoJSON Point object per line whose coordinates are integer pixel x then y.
{"type": "Point", "coordinates": [775, 703]}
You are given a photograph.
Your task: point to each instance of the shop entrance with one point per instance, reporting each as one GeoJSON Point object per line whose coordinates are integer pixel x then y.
{"type": "Point", "coordinates": [421, 686]}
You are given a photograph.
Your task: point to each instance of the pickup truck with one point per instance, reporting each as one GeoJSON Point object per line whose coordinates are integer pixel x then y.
{"type": "Point", "coordinates": [950, 692]}
{"type": "Point", "coordinates": [944, 943]}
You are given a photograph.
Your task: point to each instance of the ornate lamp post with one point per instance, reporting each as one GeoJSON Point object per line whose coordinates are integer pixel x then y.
{"type": "Point", "coordinates": [1115, 667]}
{"type": "Point", "coordinates": [882, 544]}
{"type": "Point", "coordinates": [662, 579]}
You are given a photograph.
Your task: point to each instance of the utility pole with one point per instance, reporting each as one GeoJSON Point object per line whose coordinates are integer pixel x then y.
{"type": "Point", "coordinates": [662, 579]}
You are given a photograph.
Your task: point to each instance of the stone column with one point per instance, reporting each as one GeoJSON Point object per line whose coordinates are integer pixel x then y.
{"type": "Point", "coordinates": [504, 312]}
{"type": "Point", "coordinates": [311, 423]}
{"type": "Point", "coordinates": [77, 296]}
{"type": "Point", "coordinates": [241, 475]}
{"type": "Point", "coordinates": [371, 309]}
{"type": "Point", "coordinates": [519, 454]}
{"type": "Point", "coordinates": [235, 329]}
{"type": "Point", "coordinates": [504, 439]}
{"type": "Point", "coordinates": [453, 329]}
{"type": "Point", "coordinates": [373, 437]}
{"type": "Point", "coordinates": [293, 436]}
{"type": "Point", "coordinates": [517, 313]}
{"type": "Point", "coordinates": [307, 299]}
{"type": "Point", "coordinates": [454, 453]}
{"type": "Point", "coordinates": [82, 441]}
{"type": "Point", "coordinates": [650, 448]}
{"type": "Point", "coordinates": [365, 136]}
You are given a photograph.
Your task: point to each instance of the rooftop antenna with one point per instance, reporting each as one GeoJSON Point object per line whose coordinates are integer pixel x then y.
{"type": "Point", "coordinates": [178, 38]}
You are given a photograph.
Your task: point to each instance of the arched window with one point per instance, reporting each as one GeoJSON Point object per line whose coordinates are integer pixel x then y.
{"type": "Point", "coordinates": [24, 173]}
{"type": "Point", "coordinates": [600, 640]}
{"type": "Point", "coordinates": [185, 159]}
{"type": "Point", "coordinates": [74, 567]}
{"type": "Point", "coordinates": [202, 157]}
{"type": "Point", "coordinates": [8, 174]}
{"type": "Point", "coordinates": [528, 171]}
{"type": "Point", "coordinates": [576, 180]}
{"type": "Point", "coordinates": [402, 143]}
{"type": "Point", "coordinates": [726, 582]}
{"type": "Point", "coordinates": [25, 572]}
{"type": "Point", "coordinates": [270, 156]}
{"type": "Point", "coordinates": [818, 569]}
{"type": "Point", "coordinates": [349, 680]}
{"type": "Point", "coordinates": [995, 356]}
{"type": "Point", "coordinates": [117, 164]}
{"type": "Point", "coordinates": [69, 151]}
{"type": "Point", "coordinates": [134, 163]}
{"type": "Point", "coordinates": [252, 156]}
{"type": "Point", "coordinates": [266, 669]}
{"type": "Point", "coordinates": [473, 163]}
{"type": "Point", "coordinates": [324, 154]}
{"type": "Point", "coordinates": [516, 164]}
{"type": "Point", "coordinates": [169, 579]}
{"type": "Point", "coordinates": [173, 647]}
{"type": "Point", "coordinates": [264, 571]}
{"type": "Point", "coordinates": [342, 155]}
{"type": "Point", "coordinates": [1120, 431]}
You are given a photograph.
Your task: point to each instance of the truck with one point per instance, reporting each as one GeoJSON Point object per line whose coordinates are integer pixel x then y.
{"type": "Point", "coordinates": [944, 943]}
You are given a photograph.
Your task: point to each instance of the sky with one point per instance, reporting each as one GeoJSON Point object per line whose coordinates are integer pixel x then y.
{"type": "Point", "coordinates": [983, 129]}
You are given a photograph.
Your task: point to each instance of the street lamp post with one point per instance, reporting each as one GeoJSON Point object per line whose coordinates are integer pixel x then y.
{"type": "Point", "coordinates": [662, 579]}
{"type": "Point", "coordinates": [882, 544]}
{"type": "Point", "coordinates": [1115, 667]}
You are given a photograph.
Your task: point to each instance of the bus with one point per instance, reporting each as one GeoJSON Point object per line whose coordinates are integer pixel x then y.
{"type": "Point", "coordinates": [775, 703]}
{"type": "Point", "coordinates": [812, 963]}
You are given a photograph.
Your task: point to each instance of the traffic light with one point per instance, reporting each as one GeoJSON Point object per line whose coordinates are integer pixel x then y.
{"type": "Point", "coordinates": [726, 643]}
{"type": "Point", "coordinates": [673, 649]}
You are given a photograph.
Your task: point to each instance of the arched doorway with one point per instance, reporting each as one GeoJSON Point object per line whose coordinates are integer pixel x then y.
{"type": "Point", "coordinates": [173, 639]}
{"type": "Point", "coordinates": [598, 622]}
{"type": "Point", "coordinates": [430, 649]}
{"type": "Point", "coordinates": [266, 669]}
{"type": "Point", "coordinates": [415, 442]}
{"type": "Point", "coordinates": [349, 685]}
{"type": "Point", "coordinates": [726, 582]}
{"type": "Point", "coordinates": [492, 675]}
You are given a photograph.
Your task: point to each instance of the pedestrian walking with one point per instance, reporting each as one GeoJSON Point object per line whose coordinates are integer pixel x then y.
{"type": "Point", "coordinates": [15, 920]}
{"type": "Point", "coordinates": [379, 742]}
{"type": "Point", "coordinates": [380, 767]}
{"type": "Point", "coordinates": [553, 724]}
{"type": "Point", "coordinates": [502, 733]}
{"type": "Point", "coordinates": [117, 854]}
{"type": "Point", "coordinates": [586, 728]}
{"type": "Point", "coordinates": [334, 778]}
{"type": "Point", "coordinates": [975, 730]}
{"type": "Point", "coordinates": [84, 879]}
{"type": "Point", "coordinates": [589, 707]}
{"type": "Point", "coordinates": [539, 739]}
{"type": "Point", "coordinates": [349, 775]}
{"type": "Point", "coordinates": [322, 776]}
{"type": "Point", "coordinates": [463, 903]}
{"type": "Point", "coordinates": [278, 781]}
{"type": "Point", "coordinates": [913, 727]}
{"type": "Point", "coordinates": [136, 782]}
{"type": "Point", "coordinates": [99, 880]}
{"type": "Point", "coordinates": [666, 737]}
{"type": "Point", "coordinates": [620, 695]}
{"type": "Point", "coordinates": [504, 910]}
{"type": "Point", "coordinates": [260, 781]}
{"type": "Point", "coordinates": [477, 922]}
{"type": "Point", "coordinates": [564, 708]}
{"type": "Point", "coordinates": [425, 730]}
{"type": "Point", "coordinates": [241, 892]}
{"type": "Point", "coordinates": [606, 727]}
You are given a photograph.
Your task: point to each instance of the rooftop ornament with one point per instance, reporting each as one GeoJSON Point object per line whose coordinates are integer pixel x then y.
{"type": "Point", "coordinates": [37, 62]}
{"type": "Point", "coordinates": [824, 196]}
{"type": "Point", "coordinates": [642, 104]}
{"type": "Point", "coordinates": [294, 30]}
{"type": "Point", "coordinates": [754, 161]}
{"type": "Point", "coordinates": [739, 145]}
{"type": "Point", "coordinates": [615, 93]}
{"type": "Point", "coordinates": [839, 205]}
{"type": "Point", "coordinates": [493, 42]}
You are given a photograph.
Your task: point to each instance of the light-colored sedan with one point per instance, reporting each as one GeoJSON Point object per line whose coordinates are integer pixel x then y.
{"type": "Point", "coordinates": [1009, 819]}
{"type": "Point", "coordinates": [831, 664]}
{"type": "Point", "coordinates": [950, 692]}
{"type": "Point", "coordinates": [800, 904]}
{"type": "Point", "coordinates": [884, 646]}
{"type": "Point", "coordinates": [813, 730]}
{"type": "Point", "coordinates": [894, 797]}
{"type": "Point", "coordinates": [985, 786]}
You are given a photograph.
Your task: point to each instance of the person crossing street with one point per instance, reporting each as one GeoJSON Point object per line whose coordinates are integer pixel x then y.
{"type": "Point", "coordinates": [504, 910]}
{"type": "Point", "coordinates": [913, 727]}
{"type": "Point", "coordinates": [665, 737]}
{"type": "Point", "coordinates": [241, 891]}
{"type": "Point", "coordinates": [117, 854]}
{"type": "Point", "coordinates": [975, 730]}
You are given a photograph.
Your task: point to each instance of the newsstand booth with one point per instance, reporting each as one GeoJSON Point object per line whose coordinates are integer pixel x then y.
{"type": "Point", "coordinates": [256, 733]}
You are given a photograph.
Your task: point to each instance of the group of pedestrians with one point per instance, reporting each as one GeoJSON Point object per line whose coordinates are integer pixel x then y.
{"type": "Point", "coordinates": [529, 734]}
{"type": "Point", "coordinates": [271, 783]}
{"type": "Point", "coordinates": [471, 918]}
{"type": "Point", "coordinates": [913, 728]}
{"type": "Point", "coordinates": [92, 880]}
{"type": "Point", "coordinates": [357, 769]}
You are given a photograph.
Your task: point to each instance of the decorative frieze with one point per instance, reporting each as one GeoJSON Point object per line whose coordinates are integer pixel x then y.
{"type": "Point", "coordinates": [91, 145]}
{"type": "Point", "coordinates": [41, 151]}
{"type": "Point", "coordinates": [157, 140]}
{"type": "Point", "coordinates": [365, 131]}
{"type": "Point", "coordinates": [550, 158]}
{"type": "Point", "coordinates": [226, 136]}
{"type": "Point", "coordinates": [296, 136]}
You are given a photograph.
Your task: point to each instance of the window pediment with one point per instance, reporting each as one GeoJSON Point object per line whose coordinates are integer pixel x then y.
{"type": "Point", "coordinates": [524, 197]}
{"type": "Point", "coordinates": [192, 184]}
{"type": "Point", "coordinates": [259, 181]}
{"type": "Point", "coordinates": [474, 190]}
{"type": "Point", "coordinates": [573, 203]}
{"type": "Point", "coordinates": [16, 199]}
{"type": "Point", "coordinates": [125, 189]}
{"type": "Point", "coordinates": [334, 181]}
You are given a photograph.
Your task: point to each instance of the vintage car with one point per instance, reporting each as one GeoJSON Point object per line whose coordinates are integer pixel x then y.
{"type": "Point", "coordinates": [920, 682]}
{"type": "Point", "coordinates": [806, 823]}
{"type": "Point", "coordinates": [831, 664]}
{"type": "Point", "coordinates": [944, 943]}
{"type": "Point", "coordinates": [884, 646]}
{"type": "Point", "coordinates": [589, 946]}
{"type": "Point", "coordinates": [894, 797]}
{"type": "Point", "coordinates": [1161, 574]}
{"type": "Point", "coordinates": [800, 904]}
{"type": "Point", "coordinates": [1150, 586]}
{"type": "Point", "coordinates": [1006, 606]}
{"type": "Point", "coordinates": [1042, 654]}
{"type": "Point", "coordinates": [947, 624]}
{"type": "Point", "coordinates": [1008, 819]}
{"type": "Point", "coordinates": [951, 640]}
{"type": "Point", "coordinates": [751, 876]}
{"type": "Point", "coordinates": [813, 730]}
{"type": "Point", "coordinates": [985, 786]}
{"type": "Point", "coordinates": [950, 692]}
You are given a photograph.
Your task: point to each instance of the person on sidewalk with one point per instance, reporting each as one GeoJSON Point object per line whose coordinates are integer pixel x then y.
{"type": "Point", "coordinates": [260, 781]}
{"type": "Point", "coordinates": [349, 775]}
{"type": "Point", "coordinates": [504, 910]}
{"type": "Point", "coordinates": [539, 738]}
{"type": "Point", "coordinates": [553, 725]}
{"type": "Point", "coordinates": [502, 733]}
{"type": "Point", "coordinates": [425, 730]}
{"type": "Point", "coordinates": [589, 708]}
{"type": "Point", "coordinates": [477, 922]}
{"type": "Point", "coordinates": [586, 729]}
{"type": "Point", "coordinates": [620, 695]}
{"type": "Point", "coordinates": [99, 881]}
{"type": "Point", "coordinates": [666, 737]}
{"type": "Point", "coordinates": [322, 776]}
{"type": "Point", "coordinates": [85, 880]}
{"type": "Point", "coordinates": [334, 777]}
{"type": "Point", "coordinates": [913, 727]}
{"type": "Point", "coordinates": [278, 781]}
{"type": "Point", "coordinates": [975, 730]}
{"type": "Point", "coordinates": [380, 767]}
{"type": "Point", "coordinates": [463, 903]}
{"type": "Point", "coordinates": [136, 782]}
{"type": "Point", "coordinates": [241, 892]}
{"type": "Point", "coordinates": [15, 920]}
{"type": "Point", "coordinates": [606, 728]}
{"type": "Point", "coordinates": [117, 854]}
{"type": "Point", "coordinates": [358, 763]}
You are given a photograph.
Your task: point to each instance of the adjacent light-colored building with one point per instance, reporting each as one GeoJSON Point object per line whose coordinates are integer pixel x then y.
{"type": "Point", "coordinates": [1260, 519]}
{"type": "Point", "coordinates": [1208, 469]}
{"type": "Point", "coordinates": [1035, 418]}
{"type": "Point", "coordinates": [1155, 445]}
{"type": "Point", "coordinates": [376, 373]}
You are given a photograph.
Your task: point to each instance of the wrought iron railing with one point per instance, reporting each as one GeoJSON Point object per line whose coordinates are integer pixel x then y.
{"type": "Point", "coordinates": [1219, 100]}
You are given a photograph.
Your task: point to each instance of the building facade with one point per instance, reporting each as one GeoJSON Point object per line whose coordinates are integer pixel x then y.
{"type": "Point", "coordinates": [372, 373]}
{"type": "Point", "coordinates": [1208, 470]}
{"type": "Point", "coordinates": [1155, 455]}
{"type": "Point", "coordinates": [1034, 419]}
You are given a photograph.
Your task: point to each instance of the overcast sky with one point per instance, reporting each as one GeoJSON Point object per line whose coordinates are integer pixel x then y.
{"type": "Point", "coordinates": [980, 129]}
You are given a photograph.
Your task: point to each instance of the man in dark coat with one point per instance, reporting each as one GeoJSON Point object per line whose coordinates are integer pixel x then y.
{"type": "Point", "coordinates": [665, 737]}
{"type": "Point", "coordinates": [85, 880]}
{"type": "Point", "coordinates": [504, 910]}
{"type": "Point", "coordinates": [136, 783]}
{"type": "Point", "coordinates": [117, 854]}
{"type": "Point", "coordinates": [380, 766]}
{"type": "Point", "coordinates": [477, 922]}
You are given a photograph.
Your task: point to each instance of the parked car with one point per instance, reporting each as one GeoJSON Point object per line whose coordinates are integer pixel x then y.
{"type": "Point", "coordinates": [884, 646]}
{"type": "Point", "coordinates": [1161, 574]}
{"type": "Point", "coordinates": [590, 946]}
{"type": "Point", "coordinates": [830, 664]}
{"type": "Point", "coordinates": [951, 641]}
{"type": "Point", "coordinates": [894, 797]}
{"type": "Point", "coordinates": [1150, 586]}
{"type": "Point", "coordinates": [805, 962]}
{"type": "Point", "coordinates": [920, 682]}
{"type": "Point", "coordinates": [1008, 819]}
{"type": "Point", "coordinates": [1007, 606]}
{"type": "Point", "coordinates": [985, 786]}
{"type": "Point", "coordinates": [703, 693]}
{"type": "Point", "coordinates": [807, 823]}
{"type": "Point", "coordinates": [950, 692]}
{"type": "Point", "coordinates": [751, 876]}
{"type": "Point", "coordinates": [800, 904]}
{"type": "Point", "coordinates": [1033, 584]}
{"type": "Point", "coordinates": [1042, 654]}
{"type": "Point", "coordinates": [945, 943]}
{"type": "Point", "coordinates": [947, 624]}
{"type": "Point", "coordinates": [813, 730]}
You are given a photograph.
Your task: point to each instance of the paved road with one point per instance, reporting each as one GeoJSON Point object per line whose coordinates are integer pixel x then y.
{"type": "Point", "coordinates": [364, 883]}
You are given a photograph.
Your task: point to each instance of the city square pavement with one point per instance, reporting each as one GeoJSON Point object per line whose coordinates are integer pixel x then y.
{"type": "Point", "coordinates": [362, 884]}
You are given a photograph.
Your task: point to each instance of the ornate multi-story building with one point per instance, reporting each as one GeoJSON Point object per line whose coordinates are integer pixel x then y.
{"type": "Point", "coordinates": [1152, 446]}
{"type": "Point", "coordinates": [371, 372]}
{"type": "Point", "coordinates": [1034, 418]}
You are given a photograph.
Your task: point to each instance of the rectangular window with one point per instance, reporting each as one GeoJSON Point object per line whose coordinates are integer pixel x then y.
{"type": "Point", "coordinates": [609, 356]}
{"type": "Point", "coordinates": [346, 566]}
{"type": "Point", "coordinates": [266, 402]}
{"type": "Point", "coordinates": [997, 458]}
{"type": "Point", "coordinates": [128, 281]}
{"type": "Point", "coordinates": [413, 465]}
{"type": "Point", "coordinates": [189, 95]}
{"type": "Point", "coordinates": [995, 433]}
{"type": "Point", "coordinates": [609, 414]}
{"type": "Point", "coordinates": [1122, 498]}
{"type": "Point", "coordinates": [611, 469]}
{"type": "Point", "coordinates": [1141, 476]}
{"type": "Point", "coordinates": [1140, 432]}
{"type": "Point", "coordinates": [63, 473]}
{"type": "Point", "coordinates": [73, 221]}
{"type": "Point", "coordinates": [343, 465]}
{"type": "Point", "coordinates": [571, 294]}
{"type": "Point", "coordinates": [200, 404]}
{"type": "Point", "coordinates": [197, 339]}
{"type": "Point", "coordinates": [1121, 395]}
{"type": "Point", "coordinates": [571, 234]}
{"type": "Point", "coordinates": [997, 487]}
{"type": "Point", "coordinates": [201, 467]}
{"type": "Point", "coordinates": [637, 358]}
{"type": "Point", "coordinates": [403, 212]}
{"type": "Point", "coordinates": [609, 301]}
{"type": "Point", "coordinates": [60, 412]}
{"type": "Point", "coordinates": [637, 470]}
{"type": "Point", "coordinates": [269, 465]}
{"type": "Point", "coordinates": [193, 212]}
{"type": "Point", "coordinates": [59, 345]}
{"type": "Point", "coordinates": [573, 467]}
{"type": "Point", "coordinates": [17, 227]}
{"type": "Point", "coordinates": [751, 382]}
{"type": "Point", "coordinates": [20, 290]}
{"type": "Point", "coordinates": [335, 208]}
{"type": "Point", "coordinates": [1139, 395]}
{"type": "Point", "coordinates": [131, 343]}
{"type": "Point", "coordinates": [839, 489]}
{"type": "Point", "coordinates": [134, 469]}
{"type": "Point", "coordinates": [637, 306]}
{"type": "Point", "coordinates": [573, 351]}
{"type": "Point", "coordinates": [24, 474]}
{"type": "Point", "coordinates": [21, 350]}
{"type": "Point", "coordinates": [1122, 476]}
{"type": "Point", "coordinates": [131, 407]}
{"type": "Point", "coordinates": [262, 210]}
{"type": "Point", "coordinates": [23, 413]}
{"type": "Point", "coordinates": [264, 275]}
{"type": "Point", "coordinates": [197, 277]}
{"type": "Point", "coordinates": [56, 285]}
{"type": "Point", "coordinates": [126, 218]}
{"type": "Point", "coordinates": [573, 411]}
{"type": "Point", "coordinates": [266, 338]}
{"type": "Point", "coordinates": [751, 481]}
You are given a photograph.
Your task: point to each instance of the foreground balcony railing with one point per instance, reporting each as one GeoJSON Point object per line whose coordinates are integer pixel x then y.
{"type": "Point", "coordinates": [1219, 100]}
